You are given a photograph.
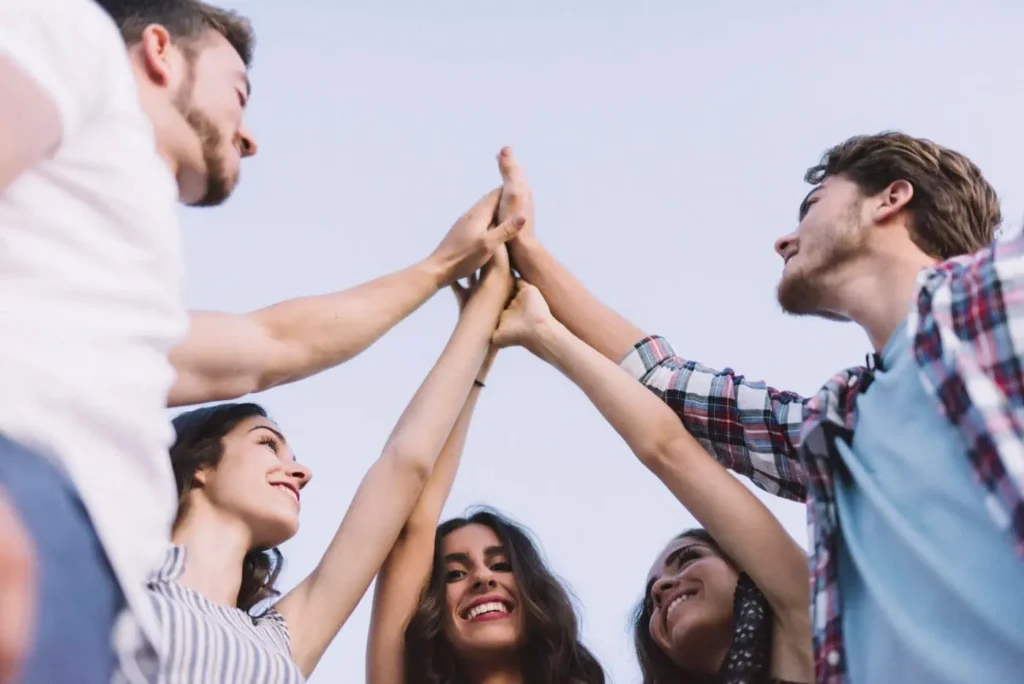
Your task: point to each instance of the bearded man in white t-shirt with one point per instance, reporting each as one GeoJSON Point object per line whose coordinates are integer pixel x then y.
{"type": "Point", "coordinates": [96, 340]}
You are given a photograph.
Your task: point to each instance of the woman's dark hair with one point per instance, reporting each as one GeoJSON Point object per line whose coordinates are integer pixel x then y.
{"type": "Point", "coordinates": [655, 665]}
{"type": "Point", "coordinates": [198, 444]}
{"type": "Point", "coordinates": [552, 653]}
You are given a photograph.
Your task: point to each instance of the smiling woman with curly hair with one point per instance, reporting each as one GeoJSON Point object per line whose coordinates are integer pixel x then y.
{"type": "Point", "coordinates": [460, 603]}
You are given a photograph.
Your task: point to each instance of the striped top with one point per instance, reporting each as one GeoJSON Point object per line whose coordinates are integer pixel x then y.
{"type": "Point", "coordinates": [202, 642]}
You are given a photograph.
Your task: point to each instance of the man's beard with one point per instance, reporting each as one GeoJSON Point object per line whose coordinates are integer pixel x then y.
{"type": "Point", "coordinates": [218, 184]}
{"type": "Point", "coordinates": [805, 293]}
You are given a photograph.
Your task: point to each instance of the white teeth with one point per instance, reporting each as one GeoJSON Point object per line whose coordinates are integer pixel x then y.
{"type": "Point", "coordinates": [290, 491]}
{"type": "Point", "coordinates": [492, 607]}
{"type": "Point", "coordinates": [675, 603]}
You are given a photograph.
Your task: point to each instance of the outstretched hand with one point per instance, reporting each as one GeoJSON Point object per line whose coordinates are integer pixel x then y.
{"type": "Point", "coordinates": [516, 197]}
{"type": "Point", "coordinates": [472, 242]}
{"type": "Point", "coordinates": [495, 277]}
{"type": "Point", "coordinates": [523, 319]}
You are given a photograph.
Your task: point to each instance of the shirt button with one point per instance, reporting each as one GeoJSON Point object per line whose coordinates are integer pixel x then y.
{"type": "Point", "coordinates": [833, 658]}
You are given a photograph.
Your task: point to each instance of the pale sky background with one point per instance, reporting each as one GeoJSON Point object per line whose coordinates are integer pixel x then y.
{"type": "Point", "coordinates": [666, 144]}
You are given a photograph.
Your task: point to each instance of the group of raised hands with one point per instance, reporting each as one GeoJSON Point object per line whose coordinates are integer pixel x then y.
{"type": "Point", "coordinates": [484, 261]}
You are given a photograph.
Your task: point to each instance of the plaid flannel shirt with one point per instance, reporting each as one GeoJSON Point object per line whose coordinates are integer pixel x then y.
{"type": "Point", "coordinates": [967, 333]}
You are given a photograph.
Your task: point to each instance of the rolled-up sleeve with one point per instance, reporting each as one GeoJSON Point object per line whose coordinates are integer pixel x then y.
{"type": "Point", "coordinates": [749, 427]}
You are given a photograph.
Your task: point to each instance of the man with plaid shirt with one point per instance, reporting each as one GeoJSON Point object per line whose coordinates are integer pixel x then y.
{"type": "Point", "coordinates": [912, 467]}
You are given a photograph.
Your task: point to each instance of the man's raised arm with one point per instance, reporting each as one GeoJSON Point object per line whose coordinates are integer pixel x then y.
{"type": "Point", "coordinates": [747, 426]}
{"type": "Point", "coordinates": [225, 356]}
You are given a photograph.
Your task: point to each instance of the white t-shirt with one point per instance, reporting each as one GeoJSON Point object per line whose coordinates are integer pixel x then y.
{"type": "Point", "coordinates": [91, 288]}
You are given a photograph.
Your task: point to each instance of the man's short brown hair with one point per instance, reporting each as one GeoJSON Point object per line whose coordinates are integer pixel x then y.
{"type": "Point", "coordinates": [187, 20]}
{"type": "Point", "coordinates": [954, 210]}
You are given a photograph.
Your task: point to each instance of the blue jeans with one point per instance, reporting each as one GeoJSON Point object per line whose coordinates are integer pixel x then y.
{"type": "Point", "coordinates": [78, 596]}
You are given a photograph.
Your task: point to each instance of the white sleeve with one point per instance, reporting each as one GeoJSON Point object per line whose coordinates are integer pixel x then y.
{"type": "Point", "coordinates": [66, 46]}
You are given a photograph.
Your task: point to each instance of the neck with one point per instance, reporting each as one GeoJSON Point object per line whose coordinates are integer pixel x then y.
{"type": "Point", "coordinates": [161, 116]}
{"type": "Point", "coordinates": [503, 671]}
{"type": "Point", "coordinates": [175, 140]}
{"type": "Point", "coordinates": [879, 295]}
{"type": "Point", "coordinates": [215, 547]}
{"type": "Point", "coordinates": [704, 660]}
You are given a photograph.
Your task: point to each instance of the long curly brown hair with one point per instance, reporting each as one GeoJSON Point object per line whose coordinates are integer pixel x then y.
{"type": "Point", "coordinates": [553, 652]}
{"type": "Point", "coordinates": [199, 444]}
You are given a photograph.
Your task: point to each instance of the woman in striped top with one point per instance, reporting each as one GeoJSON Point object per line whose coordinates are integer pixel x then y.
{"type": "Point", "coordinates": [239, 487]}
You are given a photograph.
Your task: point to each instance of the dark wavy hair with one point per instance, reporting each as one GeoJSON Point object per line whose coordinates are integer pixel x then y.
{"type": "Point", "coordinates": [198, 444]}
{"type": "Point", "coordinates": [552, 654]}
{"type": "Point", "coordinates": [655, 665]}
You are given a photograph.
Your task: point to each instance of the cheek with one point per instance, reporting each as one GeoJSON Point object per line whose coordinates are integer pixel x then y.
{"type": "Point", "coordinates": [724, 580]}
{"type": "Point", "coordinates": [245, 479]}
{"type": "Point", "coordinates": [217, 99]}
{"type": "Point", "coordinates": [656, 630]}
{"type": "Point", "coordinates": [508, 583]}
{"type": "Point", "coordinates": [228, 118]}
{"type": "Point", "coordinates": [230, 491]}
{"type": "Point", "coordinates": [452, 596]}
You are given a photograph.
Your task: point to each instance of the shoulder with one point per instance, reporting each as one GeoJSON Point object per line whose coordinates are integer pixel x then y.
{"type": "Point", "coordinates": [75, 19]}
{"type": "Point", "coordinates": [999, 263]}
{"type": "Point", "coordinates": [71, 48]}
{"type": "Point", "coordinates": [273, 623]}
{"type": "Point", "coordinates": [61, 29]}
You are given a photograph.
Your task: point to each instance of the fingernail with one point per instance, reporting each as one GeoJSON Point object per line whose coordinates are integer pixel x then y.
{"type": "Point", "coordinates": [506, 151]}
{"type": "Point", "coordinates": [520, 221]}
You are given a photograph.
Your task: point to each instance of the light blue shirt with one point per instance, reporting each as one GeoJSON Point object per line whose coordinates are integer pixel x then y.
{"type": "Point", "coordinates": [932, 590]}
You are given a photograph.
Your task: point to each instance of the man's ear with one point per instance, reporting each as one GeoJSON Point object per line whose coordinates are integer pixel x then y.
{"type": "Point", "coordinates": [892, 200]}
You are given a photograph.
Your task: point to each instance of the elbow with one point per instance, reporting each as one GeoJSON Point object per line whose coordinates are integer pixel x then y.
{"type": "Point", "coordinates": [661, 446]}
{"type": "Point", "coordinates": [264, 381]}
{"type": "Point", "coordinates": [409, 462]}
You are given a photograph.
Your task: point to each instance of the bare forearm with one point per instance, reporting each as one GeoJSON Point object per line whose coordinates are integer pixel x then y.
{"type": "Point", "coordinates": [428, 510]}
{"type": "Point", "coordinates": [742, 525]}
{"type": "Point", "coordinates": [326, 330]}
{"type": "Point", "coordinates": [634, 412]}
{"type": "Point", "coordinates": [225, 356]}
{"type": "Point", "coordinates": [429, 418]}
{"type": "Point", "coordinates": [584, 315]}
{"type": "Point", "coordinates": [406, 571]}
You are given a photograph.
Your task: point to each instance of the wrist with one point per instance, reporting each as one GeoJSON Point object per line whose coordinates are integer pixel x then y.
{"type": "Point", "coordinates": [438, 270]}
{"type": "Point", "coordinates": [485, 367]}
{"type": "Point", "coordinates": [546, 339]}
{"type": "Point", "coordinates": [523, 251]}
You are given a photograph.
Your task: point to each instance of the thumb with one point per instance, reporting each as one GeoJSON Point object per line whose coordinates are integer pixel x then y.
{"type": "Point", "coordinates": [505, 231]}
{"type": "Point", "coordinates": [502, 336]}
{"type": "Point", "coordinates": [501, 339]}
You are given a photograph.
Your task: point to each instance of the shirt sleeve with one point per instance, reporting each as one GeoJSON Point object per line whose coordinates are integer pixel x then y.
{"type": "Point", "coordinates": [67, 47]}
{"type": "Point", "coordinates": [747, 426]}
{"type": "Point", "coordinates": [969, 343]}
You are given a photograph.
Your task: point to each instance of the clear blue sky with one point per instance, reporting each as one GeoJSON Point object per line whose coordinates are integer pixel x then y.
{"type": "Point", "coordinates": [666, 144]}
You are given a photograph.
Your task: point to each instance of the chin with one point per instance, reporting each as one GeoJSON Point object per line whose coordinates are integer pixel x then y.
{"type": "Point", "coordinates": [488, 639]}
{"type": "Point", "coordinates": [495, 645]}
{"type": "Point", "coordinates": [275, 531]}
{"type": "Point", "coordinates": [798, 294]}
